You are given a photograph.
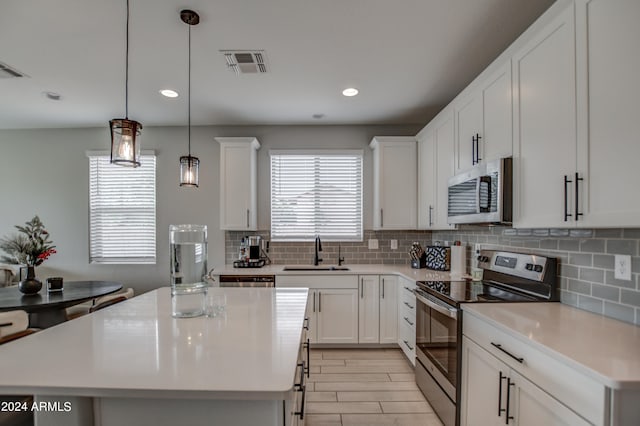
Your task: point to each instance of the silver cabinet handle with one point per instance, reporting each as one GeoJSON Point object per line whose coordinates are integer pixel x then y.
{"type": "Point", "coordinates": [247, 218]}
{"type": "Point", "coordinates": [314, 301]}
{"type": "Point", "coordinates": [430, 216]}
{"type": "Point", "coordinates": [383, 288]}
{"type": "Point", "coordinates": [407, 344]}
{"type": "Point", "coordinates": [381, 219]}
{"type": "Point", "coordinates": [361, 288]}
{"type": "Point", "coordinates": [408, 305]}
{"type": "Point", "coordinates": [319, 301]}
{"type": "Point", "coordinates": [407, 320]}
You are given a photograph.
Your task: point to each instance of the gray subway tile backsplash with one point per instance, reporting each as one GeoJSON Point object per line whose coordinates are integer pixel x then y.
{"type": "Point", "coordinates": [585, 263]}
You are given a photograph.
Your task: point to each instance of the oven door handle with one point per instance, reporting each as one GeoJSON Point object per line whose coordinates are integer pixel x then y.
{"type": "Point", "coordinates": [436, 306]}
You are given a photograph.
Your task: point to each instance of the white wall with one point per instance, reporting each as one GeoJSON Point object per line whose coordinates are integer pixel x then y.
{"type": "Point", "coordinates": [45, 172]}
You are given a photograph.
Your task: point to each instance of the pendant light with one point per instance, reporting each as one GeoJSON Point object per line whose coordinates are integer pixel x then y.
{"type": "Point", "coordinates": [125, 141]}
{"type": "Point", "coordinates": [189, 166]}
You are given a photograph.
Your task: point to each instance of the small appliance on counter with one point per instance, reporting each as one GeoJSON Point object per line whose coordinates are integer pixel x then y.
{"type": "Point", "coordinates": [253, 253]}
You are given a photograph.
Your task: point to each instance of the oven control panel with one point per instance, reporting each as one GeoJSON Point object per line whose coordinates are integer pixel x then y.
{"type": "Point", "coordinates": [523, 265]}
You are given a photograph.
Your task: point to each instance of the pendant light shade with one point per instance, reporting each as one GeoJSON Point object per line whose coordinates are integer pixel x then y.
{"type": "Point", "coordinates": [125, 141]}
{"type": "Point", "coordinates": [189, 165]}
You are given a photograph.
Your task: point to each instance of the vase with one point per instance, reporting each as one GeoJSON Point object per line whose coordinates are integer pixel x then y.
{"type": "Point", "coordinates": [30, 285]}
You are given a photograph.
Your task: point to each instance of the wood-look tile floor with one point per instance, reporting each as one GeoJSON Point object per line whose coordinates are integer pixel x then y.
{"type": "Point", "coordinates": [364, 387]}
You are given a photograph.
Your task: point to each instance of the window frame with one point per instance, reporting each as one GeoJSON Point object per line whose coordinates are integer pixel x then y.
{"type": "Point", "coordinates": [314, 153]}
{"type": "Point", "coordinates": [151, 259]}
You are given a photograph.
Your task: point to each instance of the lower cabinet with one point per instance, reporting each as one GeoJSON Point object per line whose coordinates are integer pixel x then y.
{"type": "Point", "coordinates": [507, 381]}
{"type": "Point", "coordinates": [494, 394]}
{"type": "Point", "coordinates": [407, 318]}
{"type": "Point", "coordinates": [332, 306]}
{"type": "Point", "coordinates": [377, 309]}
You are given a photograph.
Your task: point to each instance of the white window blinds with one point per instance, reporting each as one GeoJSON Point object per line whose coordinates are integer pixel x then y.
{"type": "Point", "coordinates": [122, 211]}
{"type": "Point", "coordinates": [317, 193]}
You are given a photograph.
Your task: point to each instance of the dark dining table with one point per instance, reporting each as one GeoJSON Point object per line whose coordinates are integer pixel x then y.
{"type": "Point", "coordinates": [47, 309]}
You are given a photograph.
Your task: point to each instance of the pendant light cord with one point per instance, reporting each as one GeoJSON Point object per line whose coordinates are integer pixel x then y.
{"type": "Point", "coordinates": [189, 92]}
{"type": "Point", "coordinates": [126, 73]}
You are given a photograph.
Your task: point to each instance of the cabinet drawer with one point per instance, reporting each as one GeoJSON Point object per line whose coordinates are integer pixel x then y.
{"type": "Point", "coordinates": [407, 342]}
{"type": "Point", "coordinates": [408, 319]}
{"type": "Point", "coordinates": [577, 391]}
{"type": "Point", "coordinates": [408, 304]}
{"type": "Point", "coordinates": [317, 281]}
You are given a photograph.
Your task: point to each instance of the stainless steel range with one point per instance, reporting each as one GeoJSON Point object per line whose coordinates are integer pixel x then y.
{"type": "Point", "coordinates": [507, 277]}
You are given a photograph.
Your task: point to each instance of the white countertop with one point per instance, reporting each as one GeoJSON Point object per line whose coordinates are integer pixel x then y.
{"type": "Point", "coordinates": [606, 349]}
{"type": "Point", "coordinates": [379, 269]}
{"type": "Point", "coordinates": [136, 349]}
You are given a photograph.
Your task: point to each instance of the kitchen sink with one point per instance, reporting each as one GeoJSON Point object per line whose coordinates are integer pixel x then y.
{"type": "Point", "coordinates": [314, 268]}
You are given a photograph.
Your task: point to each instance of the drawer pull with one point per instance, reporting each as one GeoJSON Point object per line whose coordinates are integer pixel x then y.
{"type": "Point", "coordinates": [408, 305]}
{"type": "Point", "coordinates": [500, 348]}
{"type": "Point", "coordinates": [407, 320]}
{"type": "Point", "coordinates": [407, 345]}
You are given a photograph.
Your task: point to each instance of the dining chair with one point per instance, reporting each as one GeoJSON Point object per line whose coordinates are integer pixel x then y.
{"type": "Point", "coordinates": [98, 303]}
{"type": "Point", "coordinates": [14, 325]}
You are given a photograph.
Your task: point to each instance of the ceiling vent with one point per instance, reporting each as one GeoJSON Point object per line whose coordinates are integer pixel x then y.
{"type": "Point", "coordinates": [8, 72]}
{"type": "Point", "coordinates": [246, 61]}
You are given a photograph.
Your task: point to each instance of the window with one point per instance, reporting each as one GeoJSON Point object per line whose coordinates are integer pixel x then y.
{"type": "Point", "coordinates": [122, 211]}
{"type": "Point", "coordinates": [318, 193]}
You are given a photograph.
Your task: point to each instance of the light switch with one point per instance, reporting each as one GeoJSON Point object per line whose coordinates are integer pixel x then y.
{"type": "Point", "coordinates": [394, 244]}
{"type": "Point", "coordinates": [373, 244]}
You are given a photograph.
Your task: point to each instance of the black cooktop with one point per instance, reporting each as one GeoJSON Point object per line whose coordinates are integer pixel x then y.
{"type": "Point", "coordinates": [456, 292]}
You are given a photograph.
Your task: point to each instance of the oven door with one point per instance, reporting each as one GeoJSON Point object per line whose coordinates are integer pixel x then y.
{"type": "Point", "coordinates": [437, 340]}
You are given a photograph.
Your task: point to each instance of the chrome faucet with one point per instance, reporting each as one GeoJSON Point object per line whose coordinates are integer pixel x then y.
{"type": "Point", "coordinates": [316, 259]}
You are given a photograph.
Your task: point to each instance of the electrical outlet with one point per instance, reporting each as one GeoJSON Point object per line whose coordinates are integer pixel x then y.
{"type": "Point", "coordinates": [622, 268]}
{"type": "Point", "coordinates": [373, 244]}
{"type": "Point", "coordinates": [394, 244]}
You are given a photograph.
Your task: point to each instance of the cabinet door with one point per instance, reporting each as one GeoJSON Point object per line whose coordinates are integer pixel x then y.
{"type": "Point", "coordinates": [484, 381]}
{"type": "Point", "coordinates": [545, 121]}
{"type": "Point", "coordinates": [337, 319]}
{"type": "Point", "coordinates": [238, 180]}
{"type": "Point", "coordinates": [388, 309]}
{"type": "Point", "coordinates": [426, 179]}
{"type": "Point", "coordinates": [444, 169]}
{"type": "Point", "coordinates": [468, 125]}
{"type": "Point", "coordinates": [608, 157]}
{"type": "Point", "coordinates": [369, 309]}
{"type": "Point", "coordinates": [395, 183]}
{"type": "Point", "coordinates": [531, 406]}
{"type": "Point", "coordinates": [497, 141]}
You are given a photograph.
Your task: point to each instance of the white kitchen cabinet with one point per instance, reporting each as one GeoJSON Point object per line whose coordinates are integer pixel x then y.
{"type": "Point", "coordinates": [388, 308]}
{"type": "Point", "coordinates": [337, 320]}
{"type": "Point", "coordinates": [378, 309]}
{"type": "Point", "coordinates": [238, 183]}
{"type": "Point", "coordinates": [492, 391]}
{"type": "Point", "coordinates": [545, 125]}
{"type": "Point", "coordinates": [369, 309]}
{"type": "Point", "coordinates": [608, 142]}
{"type": "Point", "coordinates": [407, 318]}
{"type": "Point", "coordinates": [484, 120]}
{"type": "Point", "coordinates": [394, 182]}
{"type": "Point", "coordinates": [436, 166]}
{"type": "Point", "coordinates": [332, 306]}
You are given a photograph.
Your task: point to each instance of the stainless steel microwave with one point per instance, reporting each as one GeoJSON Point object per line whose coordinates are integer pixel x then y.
{"type": "Point", "coordinates": [483, 194]}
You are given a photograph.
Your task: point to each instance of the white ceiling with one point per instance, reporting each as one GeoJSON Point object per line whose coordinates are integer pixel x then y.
{"type": "Point", "coordinates": [408, 58]}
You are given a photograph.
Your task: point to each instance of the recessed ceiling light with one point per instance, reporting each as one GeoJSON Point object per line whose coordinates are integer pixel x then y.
{"type": "Point", "coordinates": [169, 93]}
{"type": "Point", "coordinates": [52, 96]}
{"type": "Point", "coordinates": [318, 116]}
{"type": "Point", "coordinates": [351, 91]}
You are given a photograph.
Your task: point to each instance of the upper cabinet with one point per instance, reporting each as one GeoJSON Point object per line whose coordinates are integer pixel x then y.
{"type": "Point", "coordinates": [238, 183]}
{"type": "Point", "coordinates": [576, 88]}
{"type": "Point", "coordinates": [608, 143]}
{"type": "Point", "coordinates": [435, 167]}
{"type": "Point", "coordinates": [483, 120]}
{"type": "Point", "coordinates": [545, 111]}
{"type": "Point", "coordinates": [394, 182]}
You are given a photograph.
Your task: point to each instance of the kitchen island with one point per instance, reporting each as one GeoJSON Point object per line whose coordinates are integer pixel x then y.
{"type": "Point", "coordinates": [133, 364]}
